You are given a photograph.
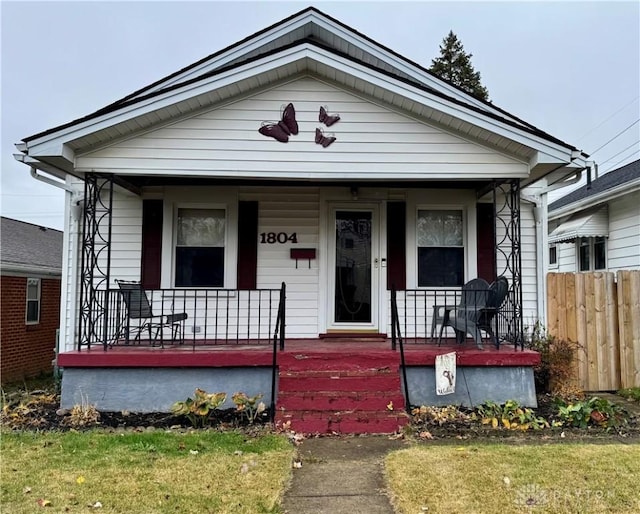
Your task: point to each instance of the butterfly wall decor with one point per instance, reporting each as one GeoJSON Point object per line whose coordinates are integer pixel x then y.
{"type": "Point", "coordinates": [327, 119]}
{"type": "Point", "coordinates": [284, 128]}
{"type": "Point", "coordinates": [323, 140]}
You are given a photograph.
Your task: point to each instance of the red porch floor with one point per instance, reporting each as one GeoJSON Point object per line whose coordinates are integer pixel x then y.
{"type": "Point", "coordinates": [296, 350]}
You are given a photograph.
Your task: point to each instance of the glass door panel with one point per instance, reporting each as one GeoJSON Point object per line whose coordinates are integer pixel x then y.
{"type": "Point", "coordinates": [353, 273]}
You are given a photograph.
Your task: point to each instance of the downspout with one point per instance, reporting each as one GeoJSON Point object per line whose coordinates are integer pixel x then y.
{"type": "Point", "coordinates": [541, 221]}
{"type": "Point", "coordinates": [72, 219]}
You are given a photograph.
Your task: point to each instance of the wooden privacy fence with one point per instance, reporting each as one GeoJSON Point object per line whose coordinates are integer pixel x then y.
{"type": "Point", "coordinates": [601, 312]}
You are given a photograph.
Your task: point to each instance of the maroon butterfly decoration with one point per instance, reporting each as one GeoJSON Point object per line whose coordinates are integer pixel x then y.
{"type": "Point", "coordinates": [323, 140]}
{"type": "Point", "coordinates": [284, 128]}
{"type": "Point", "coordinates": [328, 119]}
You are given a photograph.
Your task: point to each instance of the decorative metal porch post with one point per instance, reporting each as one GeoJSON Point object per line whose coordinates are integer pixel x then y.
{"type": "Point", "coordinates": [506, 216]}
{"type": "Point", "coordinates": [95, 265]}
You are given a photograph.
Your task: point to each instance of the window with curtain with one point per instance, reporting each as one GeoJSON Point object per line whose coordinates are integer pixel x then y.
{"type": "Point", "coordinates": [440, 244]}
{"type": "Point", "coordinates": [33, 301]}
{"type": "Point", "coordinates": [200, 247]}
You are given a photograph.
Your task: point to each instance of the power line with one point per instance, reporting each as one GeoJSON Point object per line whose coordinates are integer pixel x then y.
{"type": "Point", "coordinates": [623, 150]}
{"type": "Point", "coordinates": [607, 119]}
{"type": "Point", "coordinates": [620, 161]}
{"type": "Point", "coordinates": [614, 137]}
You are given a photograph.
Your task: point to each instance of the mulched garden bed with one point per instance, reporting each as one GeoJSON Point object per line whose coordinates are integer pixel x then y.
{"type": "Point", "coordinates": [39, 411]}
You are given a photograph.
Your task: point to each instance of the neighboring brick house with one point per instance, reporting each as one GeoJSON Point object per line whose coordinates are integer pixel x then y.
{"type": "Point", "coordinates": [31, 266]}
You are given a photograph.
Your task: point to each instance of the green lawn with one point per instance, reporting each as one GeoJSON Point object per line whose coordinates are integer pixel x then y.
{"type": "Point", "coordinates": [156, 472]}
{"type": "Point", "coordinates": [488, 478]}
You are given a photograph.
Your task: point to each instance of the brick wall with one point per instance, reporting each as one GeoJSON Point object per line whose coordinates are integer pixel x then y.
{"type": "Point", "coordinates": [27, 350]}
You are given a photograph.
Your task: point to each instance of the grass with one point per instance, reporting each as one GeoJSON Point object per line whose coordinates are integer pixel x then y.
{"type": "Point", "coordinates": [631, 393]}
{"type": "Point", "coordinates": [153, 472]}
{"type": "Point", "coordinates": [486, 478]}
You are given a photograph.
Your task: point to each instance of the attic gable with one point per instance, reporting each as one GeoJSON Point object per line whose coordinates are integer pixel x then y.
{"type": "Point", "coordinates": [314, 25]}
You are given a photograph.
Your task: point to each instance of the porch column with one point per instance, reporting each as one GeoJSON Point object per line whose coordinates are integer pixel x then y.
{"type": "Point", "coordinates": [95, 264]}
{"type": "Point", "coordinates": [506, 202]}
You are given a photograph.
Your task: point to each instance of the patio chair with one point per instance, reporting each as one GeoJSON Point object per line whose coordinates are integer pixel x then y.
{"type": "Point", "coordinates": [465, 317]}
{"type": "Point", "coordinates": [139, 309]}
{"type": "Point", "coordinates": [479, 304]}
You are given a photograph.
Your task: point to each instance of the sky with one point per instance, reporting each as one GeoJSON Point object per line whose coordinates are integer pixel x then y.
{"type": "Point", "coordinates": [570, 68]}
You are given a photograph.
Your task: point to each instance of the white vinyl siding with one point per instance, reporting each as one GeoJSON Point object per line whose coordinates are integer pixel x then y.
{"type": "Point", "coordinates": [623, 246]}
{"type": "Point", "coordinates": [529, 264]}
{"type": "Point", "coordinates": [290, 210]}
{"type": "Point", "coordinates": [373, 142]}
{"type": "Point", "coordinates": [622, 243]}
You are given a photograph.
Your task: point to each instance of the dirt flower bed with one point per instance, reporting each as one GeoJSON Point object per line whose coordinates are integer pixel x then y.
{"type": "Point", "coordinates": [39, 410]}
{"type": "Point", "coordinates": [543, 423]}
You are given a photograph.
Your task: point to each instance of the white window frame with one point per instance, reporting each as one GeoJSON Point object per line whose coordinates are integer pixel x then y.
{"type": "Point", "coordinates": [465, 240]}
{"type": "Point", "coordinates": [553, 264]}
{"type": "Point", "coordinates": [38, 300]}
{"type": "Point", "coordinates": [171, 234]}
{"type": "Point", "coordinates": [592, 254]}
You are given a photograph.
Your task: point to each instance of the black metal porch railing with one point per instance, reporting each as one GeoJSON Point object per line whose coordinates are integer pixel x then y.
{"type": "Point", "coordinates": [213, 316]}
{"type": "Point", "coordinates": [421, 316]}
{"type": "Point", "coordinates": [278, 341]}
{"type": "Point", "coordinates": [396, 337]}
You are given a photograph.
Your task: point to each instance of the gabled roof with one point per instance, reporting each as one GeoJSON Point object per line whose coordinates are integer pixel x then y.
{"type": "Point", "coordinates": [307, 43]}
{"type": "Point", "coordinates": [626, 175]}
{"type": "Point", "coordinates": [28, 248]}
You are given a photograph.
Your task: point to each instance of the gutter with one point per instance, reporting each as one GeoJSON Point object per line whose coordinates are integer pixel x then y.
{"type": "Point", "coordinates": [541, 223]}
{"type": "Point", "coordinates": [585, 203]}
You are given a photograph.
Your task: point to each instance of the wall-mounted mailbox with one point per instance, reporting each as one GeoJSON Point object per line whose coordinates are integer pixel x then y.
{"type": "Point", "coordinates": [303, 253]}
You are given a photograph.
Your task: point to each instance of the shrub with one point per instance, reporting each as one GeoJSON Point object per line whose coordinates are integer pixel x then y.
{"type": "Point", "coordinates": [250, 407]}
{"type": "Point", "coordinates": [557, 372]}
{"type": "Point", "coordinates": [199, 409]}
{"type": "Point", "coordinates": [82, 415]}
{"type": "Point", "coordinates": [631, 393]}
{"type": "Point", "coordinates": [510, 415]}
{"type": "Point", "coordinates": [594, 411]}
{"type": "Point", "coordinates": [438, 415]}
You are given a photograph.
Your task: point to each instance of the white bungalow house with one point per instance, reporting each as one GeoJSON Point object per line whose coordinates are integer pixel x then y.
{"type": "Point", "coordinates": [310, 157]}
{"type": "Point", "coordinates": [597, 227]}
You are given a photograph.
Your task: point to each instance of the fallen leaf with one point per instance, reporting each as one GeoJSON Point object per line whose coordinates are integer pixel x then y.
{"type": "Point", "coordinates": [26, 490]}
{"type": "Point", "coordinates": [193, 452]}
{"type": "Point", "coordinates": [562, 434]}
{"type": "Point", "coordinates": [43, 503]}
{"type": "Point", "coordinates": [297, 464]}
{"type": "Point", "coordinates": [96, 505]}
{"type": "Point", "coordinates": [425, 435]}
{"type": "Point", "coordinates": [507, 481]}
{"type": "Point", "coordinates": [390, 406]}
{"type": "Point", "coordinates": [238, 452]}
{"type": "Point", "coordinates": [244, 468]}
{"type": "Point", "coordinates": [80, 480]}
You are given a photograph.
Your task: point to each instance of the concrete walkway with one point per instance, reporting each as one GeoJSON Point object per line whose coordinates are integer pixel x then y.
{"type": "Point", "coordinates": [341, 475]}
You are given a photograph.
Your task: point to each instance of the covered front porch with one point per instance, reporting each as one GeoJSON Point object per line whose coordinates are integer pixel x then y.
{"type": "Point", "coordinates": [344, 384]}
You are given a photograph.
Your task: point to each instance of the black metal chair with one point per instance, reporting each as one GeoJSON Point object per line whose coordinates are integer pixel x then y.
{"type": "Point", "coordinates": [479, 304]}
{"type": "Point", "coordinates": [139, 309]}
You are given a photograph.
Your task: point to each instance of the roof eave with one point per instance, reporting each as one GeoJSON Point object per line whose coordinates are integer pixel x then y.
{"type": "Point", "coordinates": [555, 151]}
{"type": "Point", "coordinates": [592, 201]}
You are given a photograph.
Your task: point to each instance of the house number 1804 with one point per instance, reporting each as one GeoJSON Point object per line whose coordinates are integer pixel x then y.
{"type": "Point", "coordinates": [280, 237]}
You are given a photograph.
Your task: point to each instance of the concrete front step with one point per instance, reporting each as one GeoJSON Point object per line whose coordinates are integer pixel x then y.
{"type": "Point", "coordinates": [340, 400]}
{"type": "Point", "coordinates": [335, 382]}
{"type": "Point", "coordinates": [350, 397]}
{"type": "Point", "coordinates": [344, 422]}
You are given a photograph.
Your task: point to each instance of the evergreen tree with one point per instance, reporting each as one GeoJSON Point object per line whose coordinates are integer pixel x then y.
{"type": "Point", "coordinates": [454, 65]}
